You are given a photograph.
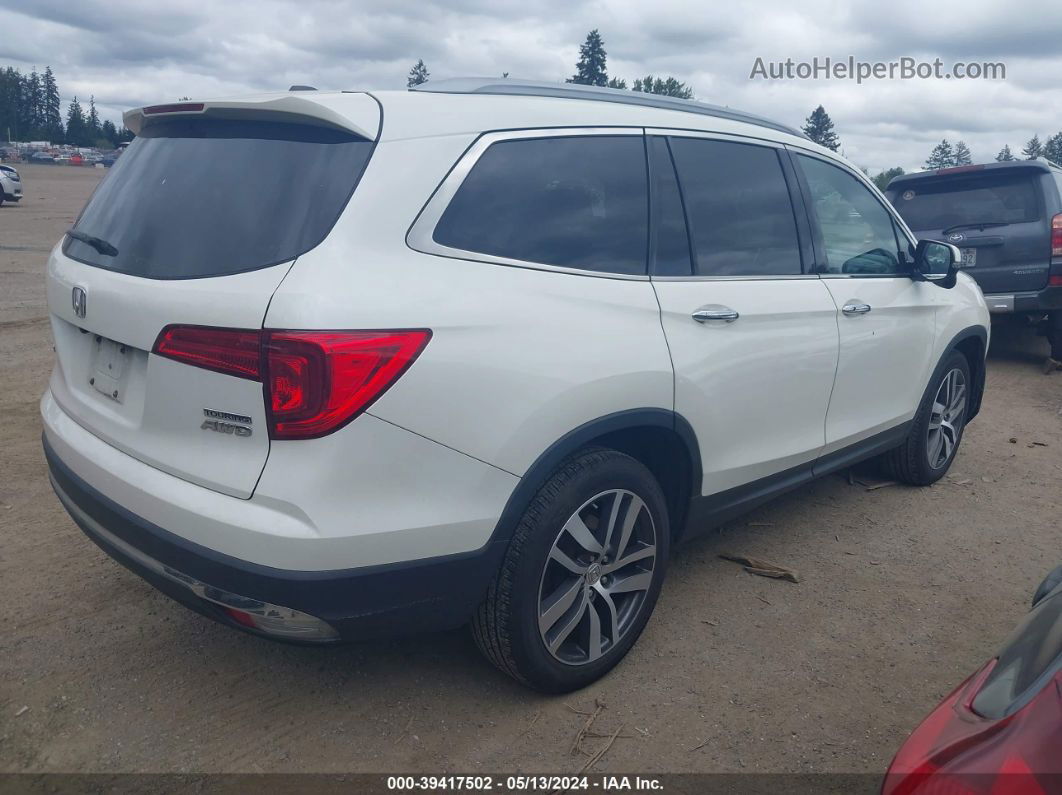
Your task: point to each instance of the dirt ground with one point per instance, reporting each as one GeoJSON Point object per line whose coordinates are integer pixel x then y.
{"type": "Point", "coordinates": [905, 591]}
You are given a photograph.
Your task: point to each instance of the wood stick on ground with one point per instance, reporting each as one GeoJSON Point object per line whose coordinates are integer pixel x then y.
{"type": "Point", "coordinates": [604, 750]}
{"type": "Point", "coordinates": [762, 568]}
{"type": "Point", "coordinates": [578, 741]}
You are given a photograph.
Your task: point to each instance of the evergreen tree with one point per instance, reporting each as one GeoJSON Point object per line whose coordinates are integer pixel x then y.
{"type": "Point", "coordinates": [942, 156]}
{"type": "Point", "coordinates": [617, 82]}
{"type": "Point", "coordinates": [962, 156]}
{"type": "Point", "coordinates": [77, 130]}
{"type": "Point", "coordinates": [1053, 148]}
{"type": "Point", "coordinates": [819, 128]}
{"type": "Point", "coordinates": [1033, 149]}
{"type": "Point", "coordinates": [10, 102]}
{"type": "Point", "coordinates": [418, 74]}
{"type": "Point", "coordinates": [95, 131]}
{"type": "Point", "coordinates": [883, 178]}
{"type": "Point", "coordinates": [590, 70]}
{"type": "Point", "coordinates": [24, 111]}
{"type": "Point", "coordinates": [34, 94]}
{"type": "Point", "coordinates": [53, 117]}
{"type": "Point", "coordinates": [109, 133]}
{"type": "Point", "coordinates": [1005, 154]}
{"type": "Point", "coordinates": [668, 87]}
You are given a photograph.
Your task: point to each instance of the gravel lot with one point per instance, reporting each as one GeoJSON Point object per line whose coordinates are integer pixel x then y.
{"type": "Point", "coordinates": [904, 592]}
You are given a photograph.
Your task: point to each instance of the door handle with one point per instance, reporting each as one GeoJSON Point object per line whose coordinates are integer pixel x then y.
{"type": "Point", "coordinates": [715, 313]}
{"type": "Point", "coordinates": [855, 309]}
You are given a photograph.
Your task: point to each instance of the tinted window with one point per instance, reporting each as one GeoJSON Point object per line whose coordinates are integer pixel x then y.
{"type": "Point", "coordinates": [671, 254]}
{"type": "Point", "coordinates": [1033, 648]}
{"type": "Point", "coordinates": [738, 207]}
{"type": "Point", "coordinates": [857, 230]}
{"type": "Point", "coordinates": [934, 204]}
{"type": "Point", "coordinates": [206, 197]}
{"type": "Point", "coordinates": [578, 202]}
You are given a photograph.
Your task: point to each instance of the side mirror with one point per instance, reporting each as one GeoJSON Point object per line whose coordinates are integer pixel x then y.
{"type": "Point", "coordinates": [936, 262]}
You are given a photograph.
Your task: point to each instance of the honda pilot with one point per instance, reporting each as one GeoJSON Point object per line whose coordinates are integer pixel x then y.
{"type": "Point", "coordinates": [480, 353]}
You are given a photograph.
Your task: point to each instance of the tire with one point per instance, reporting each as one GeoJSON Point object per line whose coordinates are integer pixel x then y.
{"type": "Point", "coordinates": [524, 611]}
{"type": "Point", "coordinates": [922, 460]}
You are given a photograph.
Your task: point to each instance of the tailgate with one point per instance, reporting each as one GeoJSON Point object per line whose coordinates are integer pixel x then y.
{"type": "Point", "coordinates": [196, 225]}
{"type": "Point", "coordinates": [149, 406]}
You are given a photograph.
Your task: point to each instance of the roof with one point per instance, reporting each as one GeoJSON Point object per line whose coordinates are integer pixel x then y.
{"type": "Point", "coordinates": [511, 87]}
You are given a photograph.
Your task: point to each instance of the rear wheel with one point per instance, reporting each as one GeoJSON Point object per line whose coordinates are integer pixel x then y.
{"type": "Point", "coordinates": [933, 441]}
{"type": "Point", "coordinates": [581, 575]}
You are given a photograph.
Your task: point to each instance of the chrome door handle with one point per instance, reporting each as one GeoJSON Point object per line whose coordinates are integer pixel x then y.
{"type": "Point", "coordinates": [855, 309]}
{"type": "Point", "coordinates": [715, 313]}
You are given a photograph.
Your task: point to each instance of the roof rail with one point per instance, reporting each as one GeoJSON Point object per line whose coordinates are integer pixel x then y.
{"type": "Point", "coordinates": [530, 88]}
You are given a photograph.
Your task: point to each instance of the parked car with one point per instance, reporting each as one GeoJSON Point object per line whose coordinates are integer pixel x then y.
{"type": "Point", "coordinates": [41, 157]}
{"type": "Point", "coordinates": [472, 377]}
{"type": "Point", "coordinates": [10, 184]}
{"type": "Point", "coordinates": [1001, 729]}
{"type": "Point", "coordinates": [1006, 218]}
{"type": "Point", "coordinates": [77, 159]}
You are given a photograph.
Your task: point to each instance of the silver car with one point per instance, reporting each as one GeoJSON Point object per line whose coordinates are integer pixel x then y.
{"type": "Point", "coordinates": [10, 184]}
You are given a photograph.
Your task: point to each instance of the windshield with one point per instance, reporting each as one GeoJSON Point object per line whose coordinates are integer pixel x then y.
{"type": "Point", "coordinates": [969, 199]}
{"type": "Point", "coordinates": [201, 197]}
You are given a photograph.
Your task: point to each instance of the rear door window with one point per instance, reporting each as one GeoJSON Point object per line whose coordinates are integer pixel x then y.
{"type": "Point", "coordinates": [738, 207]}
{"type": "Point", "coordinates": [939, 203]}
{"type": "Point", "coordinates": [575, 202]}
{"type": "Point", "coordinates": [192, 198]}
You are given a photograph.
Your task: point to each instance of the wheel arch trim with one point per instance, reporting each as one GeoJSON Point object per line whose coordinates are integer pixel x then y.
{"type": "Point", "coordinates": [977, 368]}
{"type": "Point", "coordinates": [582, 436]}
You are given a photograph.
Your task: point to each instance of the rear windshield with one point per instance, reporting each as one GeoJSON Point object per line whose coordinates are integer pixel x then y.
{"type": "Point", "coordinates": [201, 197]}
{"type": "Point", "coordinates": [1033, 648]}
{"type": "Point", "coordinates": [969, 199]}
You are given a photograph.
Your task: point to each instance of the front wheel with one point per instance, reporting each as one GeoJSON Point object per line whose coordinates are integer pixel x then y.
{"type": "Point", "coordinates": [581, 575]}
{"type": "Point", "coordinates": [931, 444]}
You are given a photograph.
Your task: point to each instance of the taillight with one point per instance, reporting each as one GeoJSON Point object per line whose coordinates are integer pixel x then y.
{"type": "Point", "coordinates": [231, 351]}
{"type": "Point", "coordinates": [1056, 236]}
{"type": "Point", "coordinates": [314, 382]}
{"type": "Point", "coordinates": [955, 751]}
{"type": "Point", "coordinates": [317, 381]}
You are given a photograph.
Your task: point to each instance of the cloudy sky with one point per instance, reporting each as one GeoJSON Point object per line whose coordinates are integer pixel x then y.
{"type": "Point", "coordinates": [133, 52]}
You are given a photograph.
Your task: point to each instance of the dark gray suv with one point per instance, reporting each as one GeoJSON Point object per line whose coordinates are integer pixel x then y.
{"type": "Point", "coordinates": [1006, 218]}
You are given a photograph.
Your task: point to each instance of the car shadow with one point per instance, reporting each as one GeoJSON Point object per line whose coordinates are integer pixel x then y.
{"type": "Point", "coordinates": [1016, 340]}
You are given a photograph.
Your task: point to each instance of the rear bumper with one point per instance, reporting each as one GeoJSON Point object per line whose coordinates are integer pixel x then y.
{"type": "Point", "coordinates": [420, 596]}
{"type": "Point", "coordinates": [1045, 300]}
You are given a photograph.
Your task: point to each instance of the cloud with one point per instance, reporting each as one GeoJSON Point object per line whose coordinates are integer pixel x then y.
{"type": "Point", "coordinates": [128, 53]}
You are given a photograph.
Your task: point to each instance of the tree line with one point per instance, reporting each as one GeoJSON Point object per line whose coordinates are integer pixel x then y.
{"type": "Point", "coordinates": [591, 70]}
{"type": "Point", "coordinates": [31, 110]}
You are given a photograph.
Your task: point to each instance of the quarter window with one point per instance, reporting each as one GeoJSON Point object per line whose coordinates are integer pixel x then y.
{"type": "Point", "coordinates": [857, 231]}
{"type": "Point", "coordinates": [576, 202]}
{"type": "Point", "coordinates": [738, 208]}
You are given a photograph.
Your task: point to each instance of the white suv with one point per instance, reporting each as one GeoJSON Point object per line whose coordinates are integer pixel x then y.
{"type": "Point", "coordinates": [338, 364]}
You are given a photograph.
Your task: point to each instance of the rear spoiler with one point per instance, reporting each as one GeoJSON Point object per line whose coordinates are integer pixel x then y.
{"type": "Point", "coordinates": [1036, 164]}
{"type": "Point", "coordinates": [277, 108]}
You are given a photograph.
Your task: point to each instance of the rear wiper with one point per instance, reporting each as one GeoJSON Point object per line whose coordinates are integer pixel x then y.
{"type": "Point", "coordinates": [98, 243]}
{"type": "Point", "coordinates": [982, 225]}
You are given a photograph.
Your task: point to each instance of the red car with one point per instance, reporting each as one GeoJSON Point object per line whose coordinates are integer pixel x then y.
{"type": "Point", "coordinates": [1000, 731]}
{"type": "Point", "coordinates": [76, 160]}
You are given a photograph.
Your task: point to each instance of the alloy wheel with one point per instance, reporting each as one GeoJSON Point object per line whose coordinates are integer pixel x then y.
{"type": "Point", "coordinates": [596, 577]}
{"type": "Point", "coordinates": [946, 418]}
